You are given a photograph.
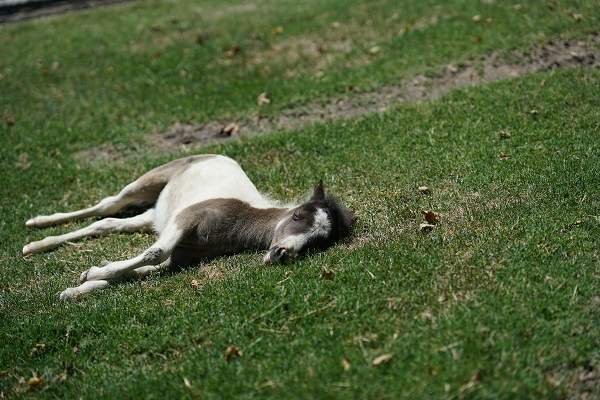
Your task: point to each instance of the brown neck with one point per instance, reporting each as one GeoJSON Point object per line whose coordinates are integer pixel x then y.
{"type": "Point", "coordinates": [259, 225]}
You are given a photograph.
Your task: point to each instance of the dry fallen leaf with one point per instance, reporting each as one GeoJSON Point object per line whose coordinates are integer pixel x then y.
{"type": "Point", "coordinates": [425, 227]}
{"type": "Point", "coordinates": [232, 352]}
{"type": "Point", "coordinates": [374, 50]}
{"type": "Point", "coordinates": [431, 217]}
{"type": "Point", "coordinates": [382, 359]}
{"type": "Point", "coordinates": [9, 119]}
{"type": "Point", "coordinates": [37, 349]}
{"type": "Point", "coordinates": [231, 129]}
{"type": "Point", "coordinates": [263, 99]}
{"type": "Point", "coordinates": [427, 316]}
{"type": "Point", "coordinates": [35, 381]}
{"type": "Point", "coordinates": [23, 162]}
{"type": "Point", "coordinates": [504, 134]}
{"type": "Point", "coordinates": [233, 51]}
{"type": "Point", "coordinates": [476, 18]}
{"type": "Point", "coordinates": [277, 30]}
{"type": "Point", "coordinates": [424, 190]}
{"type": "Point", "coordinates": [503, 156]}
{"type": "Point", "coordinates": [327, 274]}
{"type": "Point", "coordinates": [195, 284]}
{"type": "Point", "coordinates": [201, 38]}
{"type": "Point", "coordinates": [346, 363]}
{"type": "Point", "coordinates": [471, 384]}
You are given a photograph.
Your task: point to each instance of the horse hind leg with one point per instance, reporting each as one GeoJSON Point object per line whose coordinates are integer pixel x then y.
{"type": "Point", "coordinates": [144, 190]}
{"type": "Point", "coordinates": [142, 222]}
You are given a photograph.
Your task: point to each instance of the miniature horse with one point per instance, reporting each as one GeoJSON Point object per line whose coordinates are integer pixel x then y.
{"type": "Point", "coordinates": [204, 206]}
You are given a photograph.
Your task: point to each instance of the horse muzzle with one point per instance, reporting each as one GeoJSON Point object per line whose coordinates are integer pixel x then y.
{"type": "Point", "coordinates": [276, 254]}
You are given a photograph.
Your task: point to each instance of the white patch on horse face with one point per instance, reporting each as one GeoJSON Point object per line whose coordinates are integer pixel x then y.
{"type": "Point", "coordinates": [320, 228]}
{"type": "Point", "coordinates": [321, 225]}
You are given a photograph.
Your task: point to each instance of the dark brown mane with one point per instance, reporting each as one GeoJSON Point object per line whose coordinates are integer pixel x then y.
{"type": "Point", "coordinates": [342, 218]}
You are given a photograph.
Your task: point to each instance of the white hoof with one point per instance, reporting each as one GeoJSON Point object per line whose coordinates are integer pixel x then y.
{"type": "Point", "coordinates": [27, 249]}
{"type": "Point", "coordinates": [69, 293]}
{"type": "Point", "coordinates": [36, 222]}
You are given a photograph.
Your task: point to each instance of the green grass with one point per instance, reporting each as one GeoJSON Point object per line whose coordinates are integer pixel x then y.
{"type": "Point", "coordinates": [499, 301]}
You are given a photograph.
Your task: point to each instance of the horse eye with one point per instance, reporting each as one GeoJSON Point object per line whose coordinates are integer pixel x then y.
{"type": "Point", "coordinates": [296, 217]}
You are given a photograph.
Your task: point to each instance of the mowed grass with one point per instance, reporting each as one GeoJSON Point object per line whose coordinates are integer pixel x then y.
{"type": "Point", "coordinates": [500, 300]}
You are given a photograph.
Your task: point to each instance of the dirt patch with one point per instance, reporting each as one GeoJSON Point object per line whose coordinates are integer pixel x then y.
{"type": "Point", "coordinates": [582, 382]}
{"type": "Point", "coordinates": [489, 68]}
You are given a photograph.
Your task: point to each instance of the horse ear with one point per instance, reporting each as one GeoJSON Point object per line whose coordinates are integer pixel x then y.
{"type": "Point", "coordinates": [319, 192]}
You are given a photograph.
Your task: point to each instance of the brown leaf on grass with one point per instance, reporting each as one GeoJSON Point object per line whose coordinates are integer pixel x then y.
{"type": "Point", "coordinates": [504, 134]}
{"type": "Point", "coordinates": [327, 274]}
{"type": "Point", "coordinates": [195, 284]}
{"type": "Point", "coordinates": [467, 387]}
{"type": "Point", "coordinates": [37, 349]}
{"type": "Point", "coordinates": [346, 363]}
{"type": "Point", "coordinates": [232, 352]}
{"type": "Point", "coordinates": [503, 156]}
{"type": "Point", "coordinates": [233, 51]}
{"type": "Point", "coordinates": [231, 129]}
{"type": "Point", "coordinates": [23, 162]}
{"type": "Point", "coordinates": [427, 316]}
{"type": "Point", "coordinates": [201, 38]}
{"type": "Point", "coordinates": [382, 359]}
{"type": "Point", "coordinates": [9, 119]}
{"type": "Point", "coordinates": [453, 69]}
{"type": "Point", "coordinates": [426, 227]}
{"type": "Point", "coordinates": [35, 382]}
{"type": "Point", "coordinates": [431, 217]}
{"type": "Point", "coordinates": [262, 99]}
{"type": "Point", "coordinates": [424, 190]}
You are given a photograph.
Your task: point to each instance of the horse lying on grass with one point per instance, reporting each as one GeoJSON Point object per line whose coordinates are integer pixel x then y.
{"type": "Point", "coordinates": [203, 206]}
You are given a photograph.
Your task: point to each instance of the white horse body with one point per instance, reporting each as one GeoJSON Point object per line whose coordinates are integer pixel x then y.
{"type": "Point", "coordinates": [219, 177]}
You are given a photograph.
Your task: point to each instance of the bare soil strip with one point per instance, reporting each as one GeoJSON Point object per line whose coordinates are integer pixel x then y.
{"type": "Point", "coordinates": [489, 68]}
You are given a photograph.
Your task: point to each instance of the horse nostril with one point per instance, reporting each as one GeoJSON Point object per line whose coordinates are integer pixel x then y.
{"type": "Point", "coordinates": [277, 254]}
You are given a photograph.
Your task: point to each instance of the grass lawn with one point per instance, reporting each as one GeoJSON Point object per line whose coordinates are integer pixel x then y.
{"type": "Point", "coordinates": [500, 300]}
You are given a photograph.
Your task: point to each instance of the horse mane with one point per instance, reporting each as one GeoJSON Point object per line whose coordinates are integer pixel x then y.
{"type": "Point", "coordinates": [342, 217]}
